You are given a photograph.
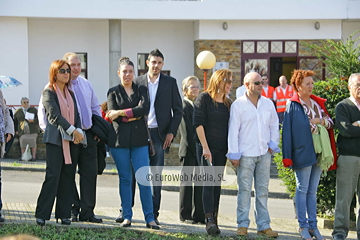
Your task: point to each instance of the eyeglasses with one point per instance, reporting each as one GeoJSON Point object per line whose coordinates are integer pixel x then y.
{"type": "Point", "coordinates": [25, 102]}
{"type": "Point", "coordinates": [62, 71]}
{"type": "Point", "coordinates": [258, 83]}
{"type": "Point", "coordinates": [194, 87]}
{"type": "Point", "coordinates": [264, 79]}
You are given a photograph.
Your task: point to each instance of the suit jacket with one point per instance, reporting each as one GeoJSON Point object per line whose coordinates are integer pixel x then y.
{"type": "Point", "coordinates": [187, 131]}
{"type": "Point", "coordinates": [168, 106]}
{"type": "Point", "coordinates": [55, 119]}
{"type": "Point", "coordinates": [19, 121]}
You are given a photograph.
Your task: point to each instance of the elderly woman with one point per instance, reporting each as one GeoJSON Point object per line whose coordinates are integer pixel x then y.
{"type": "Point", "coordinates": [128, 105]}
{"type": "Point", "coordinates": [27, 126]}
{"type": "Point", "coordinates": [306, 121]}
{"type": "Point", "coordinates": [191, 210]}
{"type": "Point", "coordinates": [61, 154]}
{"type": "Point", "coordinates": [6, 133]}
{"type": "Point", "coordinates": [211, 119]}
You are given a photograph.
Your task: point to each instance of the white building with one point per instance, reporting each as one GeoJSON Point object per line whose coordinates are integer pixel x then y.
{"type": "Point", "coordinates": [34, 33]}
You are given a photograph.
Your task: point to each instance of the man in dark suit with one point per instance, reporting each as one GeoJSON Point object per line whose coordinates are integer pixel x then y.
{"type": "Point", "coordinates": [164, 116]}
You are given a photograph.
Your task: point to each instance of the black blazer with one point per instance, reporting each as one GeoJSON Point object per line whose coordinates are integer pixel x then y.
{"type": "Point", "coordinates": [187, 131]}
{"type": "Point", "coordinates": [53, 114]}
{"type": "Point", "coordinates": [134, 133]}
{"type": "Point", "coordinates": [168, 107]}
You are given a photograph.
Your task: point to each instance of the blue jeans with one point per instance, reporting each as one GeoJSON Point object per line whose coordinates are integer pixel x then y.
{"type": "Point", "coordinates": [307, 181]}
{"type": "Point", "coordinates": [257, 168]}
{"type": "Point", "coordinates": [158, 161]}
{"type": "Point", "coordinates": [126, 159]}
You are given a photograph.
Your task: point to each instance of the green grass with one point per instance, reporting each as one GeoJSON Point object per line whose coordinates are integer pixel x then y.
{"type": "Point", "coordinates": [16, 164]}
{"type": "Point", "coordinates": [50, 232]}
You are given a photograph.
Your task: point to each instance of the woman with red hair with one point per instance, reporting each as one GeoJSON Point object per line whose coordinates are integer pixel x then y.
{"type": "Point", "coordinates": [306, 122]}
{"type": "Point", "coordinates": [63, 118]}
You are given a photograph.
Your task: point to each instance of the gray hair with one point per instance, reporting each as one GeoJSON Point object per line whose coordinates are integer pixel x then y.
{"type": "Point", "coordinates": [23, 98]}
{"type": "Point", "coordinates": [185, 82]}
{"type": "Point", "coordinates": [351, 78]}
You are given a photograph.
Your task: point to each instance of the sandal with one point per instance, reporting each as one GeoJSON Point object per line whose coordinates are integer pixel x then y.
{"type": "Point", "coordinates": [316, 234]}
{"type": "Point", "coordinates": [304, 233]}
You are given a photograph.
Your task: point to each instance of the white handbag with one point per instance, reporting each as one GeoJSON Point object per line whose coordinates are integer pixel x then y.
{"type": "Point", "coordinates": [27, 154]}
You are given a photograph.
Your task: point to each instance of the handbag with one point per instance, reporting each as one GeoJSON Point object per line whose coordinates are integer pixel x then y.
{"type": "Point", "coordinates": [150, 141]}
{"type": "Point", "coordinates": [27, 154]}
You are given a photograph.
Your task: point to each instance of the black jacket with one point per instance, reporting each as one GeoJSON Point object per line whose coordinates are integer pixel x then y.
{"type": "Point", "coordinates": [101, 128]}
{"type": "Point", "coordinates": [168, 107]}
{"type": "Point", "coordinates": [133, 133]}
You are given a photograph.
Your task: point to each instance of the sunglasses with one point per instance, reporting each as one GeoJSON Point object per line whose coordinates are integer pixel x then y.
{"type": "Point", "coordinates": [62, 71]}
{"type": "Point", "coordinates": [258, 83]}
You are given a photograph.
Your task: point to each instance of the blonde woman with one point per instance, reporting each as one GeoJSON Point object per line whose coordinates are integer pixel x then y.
{"type": "Point", "coordinates": [211, 118]}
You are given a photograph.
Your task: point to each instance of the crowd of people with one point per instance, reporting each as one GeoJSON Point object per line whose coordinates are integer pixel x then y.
{"type": "Point", "coordinates": [146, 112]}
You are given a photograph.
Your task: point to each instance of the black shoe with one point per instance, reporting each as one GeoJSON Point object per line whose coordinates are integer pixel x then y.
{"type": "Point", "coordinates": [64, 221]}
{"type": "Point", "coordinates": [157, 222]}
{"type": "Point", "coordinates": [128, 224]}
{"type": "Point", "coordinates": [120, 218]}
{"type": "Point", "coordinates": [155, 227]}
{"type": "Point", "coordinates": [74, 218]}
{"type": "Point", "coordinates": [32, 160]}
{"type": "Point", "coordinates": [40, 221]}
{"type": "Point", "coordinates": [2, 219]}
{"type": "Point", "coordinates": [92, 219]}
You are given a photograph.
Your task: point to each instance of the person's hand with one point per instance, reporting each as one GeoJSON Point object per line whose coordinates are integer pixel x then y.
{"type": "Point", "coordinates": [270, 150]}
{"type": "Point", "coordinates": [168, 139]}
{"type": "Point", "coordinates": [235, 163]}
{"type": "Point", "coordinates": [207, 154]}
{"type": "Point", "coordinates": [113, 114]}
{"type": "Point", "coordinates": [356, 124]}
{"type": "Point", "coordinates": [8, 136]}
{"type": "Point", "coordinates": [96, 138]}
{"type": "Point", "coordinates": [30, 120]}
{"type": "Point", "coordinates": [16, 133]}
{"type": "Point", "coordinates": [78, 137]}
{"type": "Point", "coordinates": [315, 121]}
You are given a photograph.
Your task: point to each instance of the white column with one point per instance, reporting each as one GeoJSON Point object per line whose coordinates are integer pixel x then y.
{"type": "Point", "coordinates": [115, 50]}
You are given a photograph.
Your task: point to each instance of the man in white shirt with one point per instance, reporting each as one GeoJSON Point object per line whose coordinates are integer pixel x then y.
{"type": "Point", "coordinates": [253, 137]}
{"type": "Point", "coordinates": [240, 91]}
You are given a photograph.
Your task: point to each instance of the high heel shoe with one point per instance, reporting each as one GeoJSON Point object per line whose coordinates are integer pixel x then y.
{"type": "Point", "coordinates": [64, 221]}
{"type": "Point", "coordinates": [40, 221]}
{"type": "Point", "coordinates": [316, 234]}
{"type": "Point", "coordinates": [155, 227]}
{"type": "Point", "coordinates": [304, 233]}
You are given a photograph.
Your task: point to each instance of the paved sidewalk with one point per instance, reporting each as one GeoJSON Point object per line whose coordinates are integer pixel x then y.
{"type": "Point", "coordinates": [21, 213]}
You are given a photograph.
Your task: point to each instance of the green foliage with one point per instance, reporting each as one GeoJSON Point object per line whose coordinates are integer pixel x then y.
{"type": "Point", "coordinates": [341, 58]}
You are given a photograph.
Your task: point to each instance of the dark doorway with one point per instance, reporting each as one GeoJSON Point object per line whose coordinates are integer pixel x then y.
{"type": "Point", "coordinates": [281, 66]}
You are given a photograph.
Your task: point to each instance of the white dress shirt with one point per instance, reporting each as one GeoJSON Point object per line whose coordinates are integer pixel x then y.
{"type": "Point", "coordinates": [252, 130]}
{"type": "Point", "coordinates": [152, 123]}
{"type": "Point", "coordinates": [240, 91]}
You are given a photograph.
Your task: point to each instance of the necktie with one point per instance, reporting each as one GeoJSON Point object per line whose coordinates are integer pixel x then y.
{"type": "Point", "coordinates": [85, 118]}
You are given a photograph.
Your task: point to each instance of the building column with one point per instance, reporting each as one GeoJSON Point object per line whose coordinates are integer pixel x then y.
{"type": "Point", "coordinates": [114, 50]}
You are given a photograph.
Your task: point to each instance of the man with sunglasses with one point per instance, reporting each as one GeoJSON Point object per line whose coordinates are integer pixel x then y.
{"type": "Point", "coordinates": [253, 119]}
{"type": "Point", "coordinates": [88, 105]}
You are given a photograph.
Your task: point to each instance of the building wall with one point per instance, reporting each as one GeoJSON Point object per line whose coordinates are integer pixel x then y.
{"type": "Point", "coordinates": [348, 28]}
{"type": "Point", "coordinates": [14, 56]}
{"type": "Point", "coordinates": [175, 39]}
{"type": "Point", "coordinates": [269, 29]}
{"type": "Point", "coordinates": [49, 39]}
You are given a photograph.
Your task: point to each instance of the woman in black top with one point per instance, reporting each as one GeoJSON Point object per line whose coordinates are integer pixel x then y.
{"type": "Point", "coordinates": [191, 209]}
{"type": "Point", "coordinates": [211, 118]}
{"type": "Point", "coordinates": [128, 104]}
